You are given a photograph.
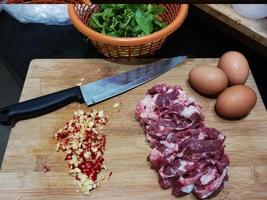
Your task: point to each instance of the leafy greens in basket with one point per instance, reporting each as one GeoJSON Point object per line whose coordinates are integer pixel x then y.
{"type": "Point", "coordinates": [127, 20]}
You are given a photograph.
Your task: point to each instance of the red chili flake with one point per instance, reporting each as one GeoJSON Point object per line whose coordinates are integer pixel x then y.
{"type": "Point", "coordinates": [68, 156]}
{"type": "Point", "coordinates": [110, 173]}
{"type": "Point", "coordinates": [62, 134]}
{"type": "Point", "coordinates": [89, 156]}
{"type": "Point", "coordinates": [45, 168]}
{"type": "Point", "coordinates": [82, 155]}
{"type": "Point", "coordinates": [71, 166]}
{"type": "Point", "coordinates": [93, 155]}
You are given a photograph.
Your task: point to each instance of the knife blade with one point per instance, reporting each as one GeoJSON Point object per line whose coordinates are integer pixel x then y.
{"type": "Point", "coordinates": [89, 93]}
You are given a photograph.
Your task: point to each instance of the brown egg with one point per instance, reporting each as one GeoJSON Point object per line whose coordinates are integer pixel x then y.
{"type": "Point", "coordinates": [208, 80]}
{"type": "Point", "coordinates": [235, 66]}
{"type": "Point", "coordinates": [236, 101]}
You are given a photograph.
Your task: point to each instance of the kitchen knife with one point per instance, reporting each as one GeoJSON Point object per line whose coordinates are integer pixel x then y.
{"type": "Point", "coordinates": [90, 93]}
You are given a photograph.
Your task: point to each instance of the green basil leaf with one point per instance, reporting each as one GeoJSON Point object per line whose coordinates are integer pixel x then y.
{"type": "Point", "coordinates": [127, 20]}
{"type": "Point", "coordinates": [156, 10]}
{"type": "Point", "coordinates": [144, 21]}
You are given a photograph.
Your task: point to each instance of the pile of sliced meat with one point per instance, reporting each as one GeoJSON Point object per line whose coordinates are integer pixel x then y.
{"type": "Point", "coordinates": [188, 156]}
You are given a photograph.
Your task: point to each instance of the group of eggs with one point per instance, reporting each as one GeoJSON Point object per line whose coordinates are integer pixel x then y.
{"type": "Point", "coordinates": [226, 83]}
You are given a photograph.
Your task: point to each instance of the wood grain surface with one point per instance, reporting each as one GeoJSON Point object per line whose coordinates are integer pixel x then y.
{"type": "Point", "coordinates": [31, 141]}
{"type": "Point", "coordinates": [256, 29]}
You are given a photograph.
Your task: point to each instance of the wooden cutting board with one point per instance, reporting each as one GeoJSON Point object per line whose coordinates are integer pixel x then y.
{"type": "Point", "coordinates": [31, 142]}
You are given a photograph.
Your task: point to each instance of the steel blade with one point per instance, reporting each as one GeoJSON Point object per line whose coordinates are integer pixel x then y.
{"type": "Point", "coordinates": [111, 86]}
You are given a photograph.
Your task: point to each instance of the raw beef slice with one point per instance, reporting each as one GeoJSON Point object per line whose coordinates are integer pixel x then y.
{"type": "Point", "coordinates": [188, 156]}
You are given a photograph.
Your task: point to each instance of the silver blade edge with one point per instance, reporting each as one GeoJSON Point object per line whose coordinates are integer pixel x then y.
{"type": "Point", "coordinates": [153, 70]}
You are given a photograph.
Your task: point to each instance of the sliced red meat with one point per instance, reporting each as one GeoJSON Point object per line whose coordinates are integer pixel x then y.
{"type": "Point", "coordinates": [158, 89]}
{"type": "Point", "coordinates": [186, 185]}
{"type": "Point", "coordinates": [205, 191]}
{"type": "Point", "coordinates": [145, 110]}
{"type": "Point", "coordinates": [157, 159]}
{"type": "Point", "coordinates": [188, 156]}
{"type": "Point", "coordinates": [176, 168]}
{"type": "Point", "coordinates": [203, 146]}
{"type": "Point", "coordinates": [166, 183]}
{"type": "Point", "coordinates": [210, 175]}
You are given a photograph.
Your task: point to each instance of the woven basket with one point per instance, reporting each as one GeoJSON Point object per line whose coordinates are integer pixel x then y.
{"type": "Point", "coordinates": [174, 16]}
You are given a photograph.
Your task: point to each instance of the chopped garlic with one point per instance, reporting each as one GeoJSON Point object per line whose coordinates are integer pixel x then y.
{"type": "Point", "coordinates": [68, 151]}
{"type": "Point", "coordinates": [94, 149]}
{"type": "Point", "coordinates": [58, 146]}
{"type": "Point", "coordinates": [115, 105]}
{"type": "Point", "coordinates": [75, 170]}
{"type": "Point", "coordinates": [91, 124]}
{"type": "Point", "coordinates": [101, 177]}
{"type": "Point", "coordinates": [104, 166]}
{"type": "Point", "coordinates": [87, 154]}
{"type": "Point", "coordinates": [80, 139]}
{"type": "Point", "coordinates": [97, 71]}
{"type": "Point", "coordinates": [78, 84]}
{"type": "Point", "coordinates": [101, 114]}
{"type": "Point", "coordinates": [80, 112]}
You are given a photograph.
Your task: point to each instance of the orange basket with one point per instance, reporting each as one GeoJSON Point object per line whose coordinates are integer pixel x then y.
{"type": "Point", "coordinates": [173, 16]}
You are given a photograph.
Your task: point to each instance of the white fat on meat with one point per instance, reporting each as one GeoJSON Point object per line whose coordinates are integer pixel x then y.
{"type": "Point", "coordinates": [184, 164]}
{"type": "Point", "coordinates": [201, 136]}
{"type": "Point", "coordinates": [171, 147]}
{"type": "Point", "coordinates": [221, 137]}
{"type": "Point", "coordinates": [210, 189]}
{"type": "Point", "coordinates": [163, 175]}
{"type": "Point", "coordinates": [208, 177]}
{"type": "Point", "coordinates": [149, 103]}
{"type": "Point", "coordinates": [182, 167]}
{"type": "Point", "coordinates": [188, 188]}
{"type": "Point", "coordinates": [152, 140]}
{"type": "Point", "coordinates": [181, 154]}
{"type": "Point", "coordinates": [188, 111]}
{"type": "Point", "coordinates": [171, 158]}
{"type": "Point", "coordinates": [170, 90]}
{"type": "Point", "coordinates": [185, 99]}
{"type": "Point", "coordinates": [155, 154]}
{"type": "Point", "coordinates": [182, 97]}
{"type": "Point", "coordinates": [161, 128]}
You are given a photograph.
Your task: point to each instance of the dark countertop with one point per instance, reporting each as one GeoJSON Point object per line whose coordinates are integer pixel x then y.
{"type": "Point", "coordinates": [199, 37]}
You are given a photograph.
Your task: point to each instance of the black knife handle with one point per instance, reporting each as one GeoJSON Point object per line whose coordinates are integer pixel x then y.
{"type": "Point", "coordinates": [39, 106]}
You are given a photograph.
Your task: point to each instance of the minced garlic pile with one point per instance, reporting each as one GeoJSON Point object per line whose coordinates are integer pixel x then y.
{"type": "Point", "coordinates": [83, 141]}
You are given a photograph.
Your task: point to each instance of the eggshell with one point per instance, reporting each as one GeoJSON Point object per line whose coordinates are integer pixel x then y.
{"type": "Point", "coordinates": [235, 66]}
{"type": "Point", "coordinates": [208, 80]}
{"type": "Point", "coordinates": [236, 101]}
